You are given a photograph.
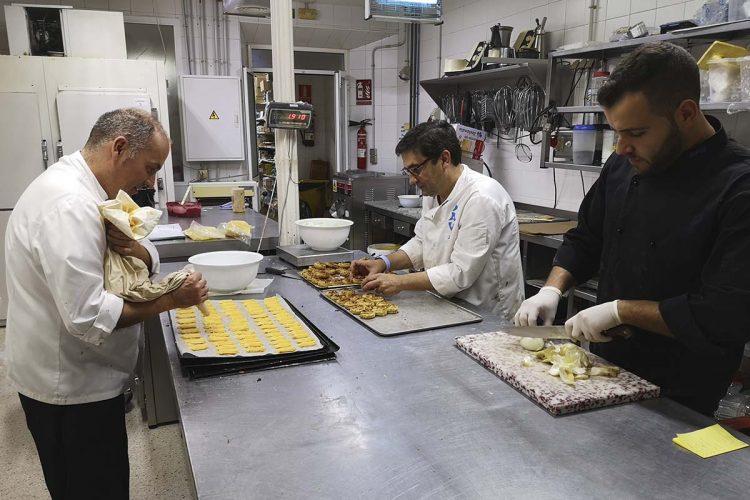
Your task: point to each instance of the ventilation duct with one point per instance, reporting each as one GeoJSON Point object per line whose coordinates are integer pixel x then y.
{"type": "Point", "coordinates": [250, 8]}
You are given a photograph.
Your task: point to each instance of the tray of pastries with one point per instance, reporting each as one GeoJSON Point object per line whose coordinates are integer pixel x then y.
{"type": "Point", "coordinates": [364, 305]}
{"type": "Point", "coordinates": [326, 275]}
{"type": "Point", "coordinates": [406, 312]}
{"type": "Point", "coordinates": [246, 335]}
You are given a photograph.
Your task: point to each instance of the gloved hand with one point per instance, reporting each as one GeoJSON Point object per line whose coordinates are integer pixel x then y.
{"type": "Point", "coordinates": [590, 323]}
{"type": "Point", "coordinates": [542, 305]}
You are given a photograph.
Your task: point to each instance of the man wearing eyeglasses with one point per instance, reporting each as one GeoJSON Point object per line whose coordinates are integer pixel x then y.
{"type": "Point", "coordinates": [467, 239]}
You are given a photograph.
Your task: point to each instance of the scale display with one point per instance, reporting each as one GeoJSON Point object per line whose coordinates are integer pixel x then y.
{"type": "Point", "coordinates": [289, 115]}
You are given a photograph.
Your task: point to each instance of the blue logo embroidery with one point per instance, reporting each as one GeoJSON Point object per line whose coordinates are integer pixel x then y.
{"type": "Point", "coordinates": [452, 218]}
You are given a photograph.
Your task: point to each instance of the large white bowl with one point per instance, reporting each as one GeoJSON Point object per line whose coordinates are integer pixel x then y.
{"type": "Point", "coordinates": [324, 234]}
{"type": "Point", "coordinates": [228, 271]}
{"type": "Point", "coordinates": [410, 200]}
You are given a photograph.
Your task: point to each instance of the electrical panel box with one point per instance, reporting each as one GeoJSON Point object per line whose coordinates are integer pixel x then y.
{"type": "Point", "coordinates": [211, 109]}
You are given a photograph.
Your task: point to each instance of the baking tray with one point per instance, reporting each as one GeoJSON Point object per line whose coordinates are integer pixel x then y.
{"type": "Point", "coordinates": [417, 311]}
{"type": "Point", "coordinates": [196, 367]}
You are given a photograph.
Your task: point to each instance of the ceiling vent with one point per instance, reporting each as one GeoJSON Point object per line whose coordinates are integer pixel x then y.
{"type": "Point", "coordinates": [250, 8]}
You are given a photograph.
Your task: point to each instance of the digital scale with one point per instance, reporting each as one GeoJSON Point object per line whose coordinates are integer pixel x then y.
{"type": "Point", "coordinates": [303, 255]}
{"type": "Point", "coordinates": [289, 115]}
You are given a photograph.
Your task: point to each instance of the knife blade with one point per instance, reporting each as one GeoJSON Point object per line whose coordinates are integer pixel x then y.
{"type": "Point", "coordinates": [537, 332]}
{"type": "Point", "coordinates": [558, 332]}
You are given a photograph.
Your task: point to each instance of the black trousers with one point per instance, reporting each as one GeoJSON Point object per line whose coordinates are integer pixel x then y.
{"type": "Point", "coordinates": [83, 448]}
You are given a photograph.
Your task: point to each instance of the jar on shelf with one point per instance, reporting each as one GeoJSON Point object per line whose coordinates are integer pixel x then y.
{"type": "Point", "coordinates": [724, 80]}
{"type": "Point", "coordinates": [744, 63]}
{"type": "Point", "coordinates": [597, 80]}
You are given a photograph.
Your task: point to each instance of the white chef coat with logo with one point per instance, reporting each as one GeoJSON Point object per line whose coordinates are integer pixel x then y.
{"type": "Point", "coordinates": [61, 343]}
{"type": "Point", "coordinates": [469, 244]}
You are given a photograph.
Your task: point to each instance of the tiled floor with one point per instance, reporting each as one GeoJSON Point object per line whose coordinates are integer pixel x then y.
{"type": "Point", "coordinates": [158, 464]}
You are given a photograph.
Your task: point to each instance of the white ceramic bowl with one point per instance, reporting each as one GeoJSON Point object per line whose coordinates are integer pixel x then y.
{"type": "Point", "coordinates": [410, 200]}
{"type": "Point", "coordinates": [324, 234]}
{"type": "Point", "coordinates": [227, 271]}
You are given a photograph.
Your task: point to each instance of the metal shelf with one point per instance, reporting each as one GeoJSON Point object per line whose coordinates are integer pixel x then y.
{"type": "Point", "coordinates": [487, 79]}
{"type": "Point", "coordinates": [580, 109]}
{"type": "Point", "coordinates": [724, 31]}
{"type": "Point", "coordinates": [705, 106]}
{"type": "Point", "coordinates": [573, 166]}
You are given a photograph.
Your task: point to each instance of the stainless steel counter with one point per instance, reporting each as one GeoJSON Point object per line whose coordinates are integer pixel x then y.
{"type": "Point", "coordinates": [413, 417]}
{"type": "Point", "coordinates": [173, 250]}
{"type": "Point", "coordinates": [392, 209]}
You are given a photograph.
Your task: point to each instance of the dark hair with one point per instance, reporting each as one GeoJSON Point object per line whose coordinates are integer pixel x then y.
{"type": "Point", "coordinates": [430, 139]}
{"type": "Point", "coordinates": [136, 125]}
{"type": "Point", "coordinates": [665, 73]}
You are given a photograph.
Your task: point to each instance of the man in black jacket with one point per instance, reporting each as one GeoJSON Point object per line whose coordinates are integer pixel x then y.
{"type": "Point", "coordinates": [667, 228]}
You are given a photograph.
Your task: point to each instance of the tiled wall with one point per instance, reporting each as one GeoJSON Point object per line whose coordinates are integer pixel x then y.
{"type": "Point", "coordinates": [391, 100]}
{"type": "Point", "coordinates": [468, 21]}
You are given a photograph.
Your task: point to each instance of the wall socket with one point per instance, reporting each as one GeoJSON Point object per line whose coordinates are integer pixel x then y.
{"type": "Point", "coordinates": [373, 156]}
{"type": "Point", "coordinates": [202, 175]}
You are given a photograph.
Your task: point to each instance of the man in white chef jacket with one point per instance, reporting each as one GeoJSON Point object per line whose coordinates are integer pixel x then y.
{"type": "Point", "coordinates": [71, 346]}
{"type": "Point", "coordinates": [467, 238]}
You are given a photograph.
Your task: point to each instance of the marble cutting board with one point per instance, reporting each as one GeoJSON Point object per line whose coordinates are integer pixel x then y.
{"type": "Point", "coordinates": [502, 354]}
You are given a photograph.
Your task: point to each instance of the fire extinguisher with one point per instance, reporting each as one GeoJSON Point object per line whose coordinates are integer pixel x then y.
{"type": "Point", "coordinates": [361, 142]}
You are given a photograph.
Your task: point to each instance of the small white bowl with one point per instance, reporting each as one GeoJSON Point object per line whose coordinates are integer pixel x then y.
{"type": "Point", "coordinates": [410, 200]}
{"type": "Point", "coordinates": [323, 234]}
{"type": "Point", "coordinates": [227, 271]}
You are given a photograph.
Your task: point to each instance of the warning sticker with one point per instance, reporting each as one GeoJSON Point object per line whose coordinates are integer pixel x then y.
{"type": "Point", "coordinates": [213, 116]}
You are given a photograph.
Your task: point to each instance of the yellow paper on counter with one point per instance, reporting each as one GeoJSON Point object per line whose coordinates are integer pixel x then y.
{"type": "Point", "coordinates": [709, 442]}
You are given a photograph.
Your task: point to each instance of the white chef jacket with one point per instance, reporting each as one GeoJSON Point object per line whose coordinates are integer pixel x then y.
{"type": "Point", "coordinates": [61, 343]}
{"type": "Point", "coordinates": [469, 244]}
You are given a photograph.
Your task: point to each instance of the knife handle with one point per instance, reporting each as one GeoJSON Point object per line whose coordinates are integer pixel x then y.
{"type": "Point", "coordinates": [622, 331]}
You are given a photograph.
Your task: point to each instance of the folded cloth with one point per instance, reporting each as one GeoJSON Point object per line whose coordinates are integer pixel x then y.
{"type": "Point", "coordinates": [134, 221]}
{"type": "Point", "coordinates": [127, 276]}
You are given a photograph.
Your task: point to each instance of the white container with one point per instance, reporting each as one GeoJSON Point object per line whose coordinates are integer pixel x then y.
{"type": "Point", "coordinates": [744, 63]}
{"type": "Point", "coordinates": [609, 144]}
{"type": "Point", "coordinates": [584, 144]}
{"type": "Point", "coordinates": [738, 10]}
{"type": "Point", "coordinates": [324, 234]}
{"type": "Point", "coordinates": [410, 200]}
{"type": "Point", "coordinates": [228, 271]}
{"type": "Point", "coordinates": [724, 80]}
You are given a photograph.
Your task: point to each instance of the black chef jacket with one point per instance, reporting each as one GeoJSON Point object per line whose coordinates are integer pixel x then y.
{"type": "Point", "coordinates": [681, 238]}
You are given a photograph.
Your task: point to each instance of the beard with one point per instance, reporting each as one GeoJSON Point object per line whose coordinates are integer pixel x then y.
{"type": "Point", "coordinates": [669, 151]}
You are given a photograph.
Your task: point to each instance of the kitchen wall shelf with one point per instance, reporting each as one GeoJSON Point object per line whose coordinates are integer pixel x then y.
{"type": "Point", "coordinates": [705, 106]}
{"type": "Point", "coordinates": [690, 37]}
{"type": "Point", "coordinates": [487, 79]}
{"type": "Point", "coordinates": [723, 31]}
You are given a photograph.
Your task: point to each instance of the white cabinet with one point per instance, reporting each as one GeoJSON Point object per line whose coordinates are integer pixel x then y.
{"type": "Point", "coordinates": [92, 33]}
{"type": "Point", "coordinates": [54, 31]}
{"type": "Point", "coordinates": [211, 110]}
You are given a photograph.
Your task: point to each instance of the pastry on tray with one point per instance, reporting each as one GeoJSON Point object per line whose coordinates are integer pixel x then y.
{"type": "Point", "coordinates": [329, 274]}
{"type": "Point", "coordinates": [365, 305]}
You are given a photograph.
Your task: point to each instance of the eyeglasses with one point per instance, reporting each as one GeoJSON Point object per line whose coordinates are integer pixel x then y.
{"type": "Point", "coordinates": [414, 170]}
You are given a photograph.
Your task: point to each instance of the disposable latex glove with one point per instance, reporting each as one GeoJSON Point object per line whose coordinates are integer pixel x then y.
{"type": "Point", "coordinates": [590, 323]}
{"type": "Point", "coordinates": [542, 305]}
